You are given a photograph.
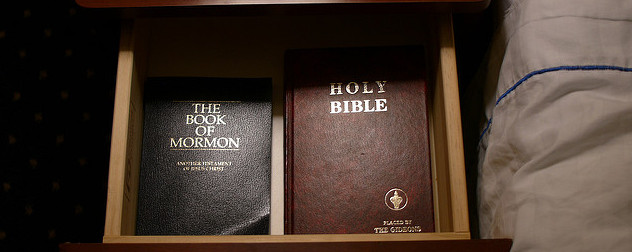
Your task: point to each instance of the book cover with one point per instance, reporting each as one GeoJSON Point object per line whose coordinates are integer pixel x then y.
{"type": "Point", "coordinates": [357, 143]}
{"type": "Point", "coordinates": [205, 165]}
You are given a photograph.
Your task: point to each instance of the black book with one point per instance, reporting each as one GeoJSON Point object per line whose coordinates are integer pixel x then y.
{"type": "Point", "coordinates": [205, 167]}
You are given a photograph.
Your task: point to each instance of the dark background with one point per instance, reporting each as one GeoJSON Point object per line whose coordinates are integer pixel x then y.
{"type": "Point", "coordinates": [57, 79]}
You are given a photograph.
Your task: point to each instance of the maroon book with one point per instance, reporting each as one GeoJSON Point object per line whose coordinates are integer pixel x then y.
{"type": "Point", "coordinates": [357, 144]}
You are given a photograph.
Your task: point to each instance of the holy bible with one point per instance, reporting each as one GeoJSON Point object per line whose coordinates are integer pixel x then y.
{"type": "Point", "coordinates": [205, 165]}
{"type": "Point", "coordinates": [357, 143]}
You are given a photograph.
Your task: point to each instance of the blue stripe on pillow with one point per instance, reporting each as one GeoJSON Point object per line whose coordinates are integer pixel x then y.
{"type": "Point", "coordinates": [547, 70]}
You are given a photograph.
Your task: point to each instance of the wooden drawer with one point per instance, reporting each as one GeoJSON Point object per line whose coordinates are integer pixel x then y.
{"type": "Point", "coordinates": [253, 46]}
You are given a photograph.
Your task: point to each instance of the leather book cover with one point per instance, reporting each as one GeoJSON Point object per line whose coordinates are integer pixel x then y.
{"type": "Point", "coordinates": [206, 156]}
{"type": "Point", "coordinates": [357, 143]}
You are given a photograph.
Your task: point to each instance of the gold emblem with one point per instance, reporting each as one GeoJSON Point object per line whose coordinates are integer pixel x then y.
{"type": "Point", "coordinates": [396, 199]}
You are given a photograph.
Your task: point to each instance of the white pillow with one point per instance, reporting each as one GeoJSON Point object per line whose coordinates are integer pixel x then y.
{"type": "Point", "coordinates": [555, 158]}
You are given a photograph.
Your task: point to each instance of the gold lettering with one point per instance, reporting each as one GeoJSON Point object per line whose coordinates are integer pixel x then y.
{"type": "Point", "coordinates": [355, 88]}
{"type": "Point", "coordinates": [381, 230]}
{"type": "Point", "coordinates": [336, 107]}
{"type": "Point", "coordinates": [212, 108]}
{"type": "Point", "coordinates": [367, 107]}
{"type": "Point", "coordinates": [336, 89]}
{"type": "Point", "coordinates": [380, 85]}
{"type": "Point", "coordinates": [366, 88]}
{"type": "Point", "coordinates": [380, 105]}
{"type": "Point", "coordinates": [349, 106]}
{"type": "Point", "coordinates": [215, 166]}
{"type": "Point", "coordinates": [352, 88]}
{"type": "Point", "coordinates": [396, 222]}
{"type": "Point", "coordinates": [205, 142]}
{"type": "Point", "coordinates": [356, 106]}
{"type": "Point", "coordinates": [406, 229]}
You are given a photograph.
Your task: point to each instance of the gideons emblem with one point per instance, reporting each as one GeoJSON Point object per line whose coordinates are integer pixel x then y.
{"type": "Point", "coordinates": [396, 199]}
